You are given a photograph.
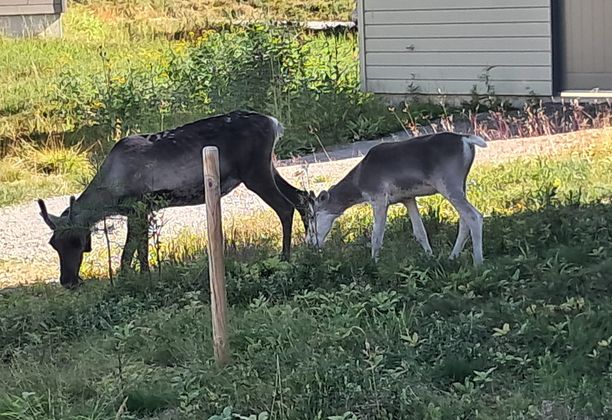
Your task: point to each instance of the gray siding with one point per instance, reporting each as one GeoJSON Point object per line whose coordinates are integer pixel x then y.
{"type": "Point", "coordinates": [587, 35]}
{"type": "Point", "coordinates": [30, 7]}
{"type": "Point", "coordinates": [445, 46]}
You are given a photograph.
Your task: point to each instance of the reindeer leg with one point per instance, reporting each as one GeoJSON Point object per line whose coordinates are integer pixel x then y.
{"type": "Point", "coordinates": [417, 225]}
{"type": "Point", "coordinates": [462, 237]}
{"type": "Point", "coordinates": [470, 218]}
{"type": "Point", "coordinates": [265, 187]}
{"type": "Point", "coordinates": [378, 231]}
{"type": "Point", "coordinates": [462, 234]}
{"type": "Point", "coordinates": [130, 244]}
{"type": "Point", "coordinates": [143, 242]}
{"type": "Point", "coordinates": [297, 197]}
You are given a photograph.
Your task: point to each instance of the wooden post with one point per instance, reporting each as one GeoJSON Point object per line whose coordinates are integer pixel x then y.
{"type": "Point", "coordinates": [216, 265]}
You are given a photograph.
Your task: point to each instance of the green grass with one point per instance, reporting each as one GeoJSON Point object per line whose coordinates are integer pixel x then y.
{"type": "Point", "coordinates": [33, 172]}
{"type": "Point", "coordinates": [103, 81]}
{"type": "Point", "coordinates": [30, 186]}
{"type": "Point", "coordinates": [121, 69]}
{"type": "Point", "coordinates": [527, 336]}
{"type": "Point", "coordinates": [34, 72]}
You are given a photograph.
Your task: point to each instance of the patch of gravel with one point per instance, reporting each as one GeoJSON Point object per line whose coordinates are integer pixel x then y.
{"type": "Point", "coordinates": [24, 236]}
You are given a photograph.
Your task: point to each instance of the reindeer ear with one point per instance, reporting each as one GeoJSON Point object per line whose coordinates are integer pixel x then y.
{"type": "Point", "coordinates": [323, 196]}
{"type": "Point", "coordinates": [72, 200]}
{"type": "Point", "coordinates": [87, 242]}
{"type": "Point", "coordinates": [45, 215]}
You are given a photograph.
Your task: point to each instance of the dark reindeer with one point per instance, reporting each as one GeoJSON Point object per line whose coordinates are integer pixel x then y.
{"type": "Point", "coordinates": [168, 166]}
{"type": "Point", "coordinates": [397, 173]}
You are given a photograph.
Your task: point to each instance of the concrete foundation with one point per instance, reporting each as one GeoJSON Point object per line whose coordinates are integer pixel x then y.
{"type": "Point", "coordinates": [20, 26]}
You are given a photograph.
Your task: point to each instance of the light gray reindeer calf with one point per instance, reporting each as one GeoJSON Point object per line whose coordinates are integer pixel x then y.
{"type": "Point", "coordinates": [398, 172]}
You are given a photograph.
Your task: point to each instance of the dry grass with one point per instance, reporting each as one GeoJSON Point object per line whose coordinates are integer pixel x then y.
{"type": "Point", "coordinates": [19, 273]}
{"type": "Point", "coordinates": [30, 171]}
{"type": "Point", "coordinates": [195, 11]}
{"type": "Point", "coordinates": [54, 158]}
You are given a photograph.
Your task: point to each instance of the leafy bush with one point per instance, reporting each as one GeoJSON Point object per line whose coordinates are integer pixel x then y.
{"type": "Point", "coordinates": [309, 82]}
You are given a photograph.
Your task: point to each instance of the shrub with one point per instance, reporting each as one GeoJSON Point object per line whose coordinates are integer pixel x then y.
{"type": "Point", "coordinates": [309, 82]}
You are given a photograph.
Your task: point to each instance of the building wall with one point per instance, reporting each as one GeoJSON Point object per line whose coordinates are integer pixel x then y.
{"type": "Point", "coordinates": [586, 60]}
{"type": "Point", "coordinates": [22, 18]}
{"type": "Point", "coordinates": [446, 46]}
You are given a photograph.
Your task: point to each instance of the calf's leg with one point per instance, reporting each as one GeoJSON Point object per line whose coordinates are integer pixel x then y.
{"type": "Point", "coordinates": [378, 231]}
{"type": "Point", "coordinates": [470, 217]}
{"type": "Point", "coordinates": [462, 237]}
{"type": "Point", "coordinates": [417, 225]}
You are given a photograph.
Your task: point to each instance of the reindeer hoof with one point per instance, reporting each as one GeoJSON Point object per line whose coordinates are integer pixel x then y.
{"type": "Point", "coordinates": [73, 285]}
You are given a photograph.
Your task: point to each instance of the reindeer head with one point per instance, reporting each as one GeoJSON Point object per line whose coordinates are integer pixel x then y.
{"type": "Point", "coordinates": [321, 218]}
{"type": "Point", "coordinates": [69, 240]}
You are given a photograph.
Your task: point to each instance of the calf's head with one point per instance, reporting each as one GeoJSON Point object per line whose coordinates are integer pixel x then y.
{"type": "Point", "coordinates": [69, 240]}
{"type": "Point", "coordinates": [321, 214]}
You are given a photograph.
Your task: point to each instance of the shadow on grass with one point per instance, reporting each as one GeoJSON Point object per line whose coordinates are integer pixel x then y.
{"type": "Point", "coordinates": [548, 255]}
{"type": "Point", "coordinates": [532, 323]}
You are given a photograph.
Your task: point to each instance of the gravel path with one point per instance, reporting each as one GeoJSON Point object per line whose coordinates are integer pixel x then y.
{"type": "Point", "coordinates": [24, 236]}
